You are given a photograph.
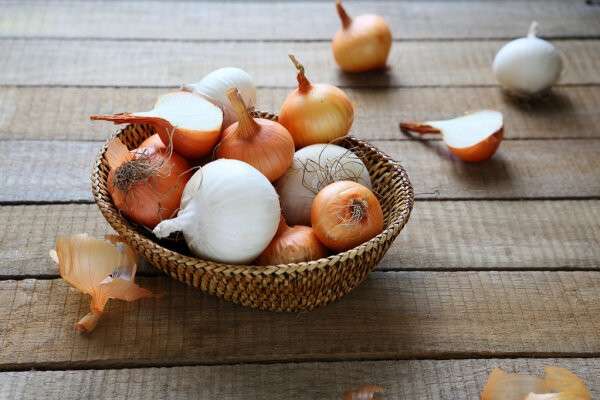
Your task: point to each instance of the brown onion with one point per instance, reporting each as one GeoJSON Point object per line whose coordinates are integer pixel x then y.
{"type": "Point", "coordinates": [292, 245]}
{"type": "Point", "coordinates": [345, 214]}
{"type": "Point", "coordinates": [266, 145]}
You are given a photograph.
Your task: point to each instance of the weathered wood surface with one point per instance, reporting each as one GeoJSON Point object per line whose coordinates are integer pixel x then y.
{"type": "Point", "coordinates": [570, 112]}
{"type": "Point", "coordinates": [393, 315]}
{"type": "Point", "coordinates": [407, 380]}
{"type": "Point", "coordinates": [550, 235]}
{"type": "Point", "coordinates": [159, 63]}
{"type": "Point", "coordinates": [60, 170]}
{"type": "Point", "coordinates": [296, 20]}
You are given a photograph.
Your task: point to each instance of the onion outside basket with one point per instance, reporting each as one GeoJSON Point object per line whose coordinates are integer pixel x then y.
{"type": "Point", "coordinates": [288, 287]}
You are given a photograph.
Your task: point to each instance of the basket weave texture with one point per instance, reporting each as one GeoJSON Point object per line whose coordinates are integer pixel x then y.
{"type": "Point", "coordinates": [290, 287]}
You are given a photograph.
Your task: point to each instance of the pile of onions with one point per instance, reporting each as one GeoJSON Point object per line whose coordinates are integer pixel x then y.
{"type": "Point", "coordinates": [292, 245]}
{"type": "Point", "coordinates": [363, 43]}
{"type": "Point", "coordinates": [345, 214]}
{"type": "Point", "coordinates": [146, 184]}
{"type": "Point", "coordinates": [231, 214]}
{"type": "Point", "coordinates": [262, 143]}
{"type": "Point", "coordinates": [216, 84]}
{"type": "Point", "coordinates": [188, 121]}
{"type": "Point", "coordinates": [315, 113]}
{"type": "Point", "coordinates": [315, 167]}
{"type": "Point", "coordinates": [528, 66]}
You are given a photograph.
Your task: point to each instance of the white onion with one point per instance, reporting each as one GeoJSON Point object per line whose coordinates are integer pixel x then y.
{"type": "Point", "coordinates": [315, 167]}
{"type": "Point", "coordinates": [230, 214]}
{"type": "Point", "coordinates": [528, 65]}
{"type": "Point", "coordinates": [216, 84]}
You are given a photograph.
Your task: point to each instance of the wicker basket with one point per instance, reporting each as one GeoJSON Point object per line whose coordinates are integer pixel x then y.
{"type": "Point", "coordinates": [291, 287]}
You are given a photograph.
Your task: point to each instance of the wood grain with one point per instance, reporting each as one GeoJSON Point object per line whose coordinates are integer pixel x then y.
{"type": "Point", "coordinates": [311, 20]}
{"type": "Point", "coordinates": [159, 63]}
{"type": "Point", "coordinates": [393, 315]}
{"type": "Point", "coordinates": [550, 235]}
{"type": "Point", "coordinates": [409, 380]}
{"type": "Point", "coordinates": [60, 170]}
{"type": "Point", "coordinates": [570, 112]}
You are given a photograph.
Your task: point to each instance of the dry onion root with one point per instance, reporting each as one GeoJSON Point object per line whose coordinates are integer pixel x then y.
{"type": "Point", "coordinates": [557, 384]}
{"type": "Point", "coordinates": [146, 184]}
{"type": "Point", "coordinates": [104, 269]}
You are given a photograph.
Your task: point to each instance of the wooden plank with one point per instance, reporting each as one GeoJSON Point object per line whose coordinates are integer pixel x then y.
{"type": "Point", "coordinates": [158, 63]}
{"type": "Point", "coordinates": [311, 20]}
{"type": "Point", "coordinates": [551, 235]}
{"type": "Point", "coordinates": [393, 315]}
{"type": "Point", "coordinates": [410, 379]}
{"type": "Point", "coordinates": [59, 171]}
{"type": "Point", "coordinates": [570, 112]}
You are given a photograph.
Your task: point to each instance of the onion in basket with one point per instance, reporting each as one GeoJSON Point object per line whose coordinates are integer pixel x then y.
{"type": "Point", "coordinates": [315, 167]}
{"type": "Point", "coordinates": [346, 214]}
{"type": "Point", "coordinates": [230, 213]}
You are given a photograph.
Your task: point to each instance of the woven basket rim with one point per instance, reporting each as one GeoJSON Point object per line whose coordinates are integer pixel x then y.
{"type": "Point", "coordinates": [108, 208]}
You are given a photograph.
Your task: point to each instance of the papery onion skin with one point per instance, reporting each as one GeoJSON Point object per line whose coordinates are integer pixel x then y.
{"type": "Point", "coordinates": [363, 43]}
{"type": "Point", "coordinates": [346, 214]}
{"type": "Point", "coordinates": [153, 141]}
{"type": "Point", "coordinates": [266, 145]}
{"type": "Point", "coordinates": [231, 217]}
{"type": "Point", "coordinates": [316, 113]}
{"type": "Point", "coordinates": [292, 245]}
{"type": "Point", "coordinates": [157, 197]}
{"type": "Point", "coordinates": [313, 168]}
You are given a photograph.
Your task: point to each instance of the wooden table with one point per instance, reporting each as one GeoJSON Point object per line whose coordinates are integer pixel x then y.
{"type": "Point", "coordinates": [498, 266]}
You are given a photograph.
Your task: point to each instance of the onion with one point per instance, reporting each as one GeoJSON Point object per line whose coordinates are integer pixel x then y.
{"type": "Point", "coordinates": [473, 137]}
{"type": "Point", "coordinates": [216, 84]}
{"type": "Point", "coordinates": [292, 245]}
{"type": "Point", "coordinates": [187, 120]}
{"type": "Point", "coordinates": [232, 214]}
{"type": "Point", "coordinates": [363, 43]}
{"type": "Point", "coordinates": [345, 214]}
{"type": "Point", "coordinates": [153, 141]}
{"type": "Point", "coordinates": [315, 113]}
{"type": "Point", "coordinates": [146, 184]}
{"type": "Point", "coordinates": [262, 143]}
{"type": "Point", "coordinates": [528, 66]}
{"type": "Point", "coordinates": [315, 167]}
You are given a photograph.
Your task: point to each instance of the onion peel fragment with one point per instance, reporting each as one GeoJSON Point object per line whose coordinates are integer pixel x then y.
{"type": "Point", "coordinates": [104, 269]}
{"type": "Point", "coordinates": [557, 384]}
{"type": "Point", "coordinates": [364, 392]}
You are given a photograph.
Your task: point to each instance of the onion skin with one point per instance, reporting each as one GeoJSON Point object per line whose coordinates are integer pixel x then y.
{"type": "Point", "coordinates": [149, 201]}
{"type": "Point", "coordinates": [266, 145]}
{"type": "Point", "coordinates": [346, 214]}
{"type": "Point", "coordinates": [292, 245]}
{"type": "Point", "coordinates": [363, 43]}
{"type": "Point", "coordinates": [316, 113]}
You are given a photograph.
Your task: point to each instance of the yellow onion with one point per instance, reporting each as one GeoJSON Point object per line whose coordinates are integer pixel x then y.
{"type": "Point", "coordinates": [315, 113]}
{"type": "Point", "coordinates": [363, 43]}
{"type": "Point", "coordinates": [345, 214]}
{"type": "Point", "coordinates": [262, 143]}
{"type": "Point", "coordinates": [292, 245]}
